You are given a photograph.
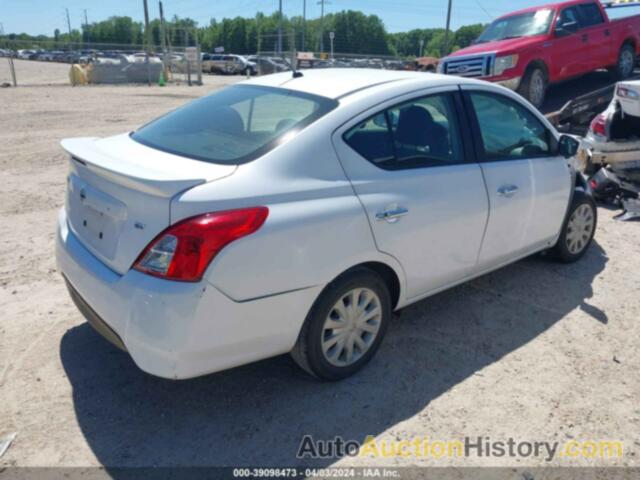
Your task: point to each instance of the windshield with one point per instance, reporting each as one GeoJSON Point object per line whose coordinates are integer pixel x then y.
{"type": "Point", "coordinates": [235, 125]}
{"type": "Point", "coordinates": [515, 26]}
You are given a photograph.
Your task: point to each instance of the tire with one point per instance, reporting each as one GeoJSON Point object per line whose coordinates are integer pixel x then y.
{"type": "Point", "coordinates": [626, 62]}
{"type": "Point", "coordinates": [308, 351]}
{"type": "Point", "coordinates": [583, 209]}
{"type": "Point", "coordinates": [534, 86]}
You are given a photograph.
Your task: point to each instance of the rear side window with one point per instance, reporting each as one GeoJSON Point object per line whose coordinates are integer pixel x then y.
{"type": "Point", "coordinates": [234, 125]}
{"type": "Point", "coordinates": [417, 134]}
{"type": "Point", "coordinates": [509, 131]}
{"type": "Point", "coordinates": [591, 15]}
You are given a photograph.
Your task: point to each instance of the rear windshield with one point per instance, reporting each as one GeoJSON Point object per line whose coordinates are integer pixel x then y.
{"type": "Point", "coordinates": [235, 125]}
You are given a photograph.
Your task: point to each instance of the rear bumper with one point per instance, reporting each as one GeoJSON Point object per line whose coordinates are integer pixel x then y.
{"type": "Point", "coordinates": [175, 329]}
{"type": "Point", "coordinates": [94, 319]}
{"type": "Point", "coordinates": [622, 154]}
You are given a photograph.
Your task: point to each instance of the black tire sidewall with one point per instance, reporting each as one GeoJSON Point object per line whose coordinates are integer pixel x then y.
{"type": "Point", "coordinates": [620, 73]}
{"type": "Point", "coordinates": [561, 250]}
{"type": "Point", "coordinates": [361, 278]}
{"type": "Point", "coordinates": [529, 83]}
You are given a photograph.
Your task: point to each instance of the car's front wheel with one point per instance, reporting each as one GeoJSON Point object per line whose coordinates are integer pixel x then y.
{"type": "Point", "coordinates": [345, 326]}
{"type": "Point", "coordinates": [578, 229]}
{"type": "Point", "coordinates": [534, 86]}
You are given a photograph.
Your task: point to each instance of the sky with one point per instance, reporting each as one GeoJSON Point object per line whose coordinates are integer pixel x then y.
{"type": "Point", "coordinates": [43, 16]}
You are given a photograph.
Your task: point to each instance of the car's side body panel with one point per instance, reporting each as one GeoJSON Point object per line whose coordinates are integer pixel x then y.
{"type": "Point", "coordinates": [438, 241]}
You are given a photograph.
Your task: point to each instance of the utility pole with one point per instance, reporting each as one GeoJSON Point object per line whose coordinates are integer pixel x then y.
{"type": "Point", "coordinates": [280, 29]}
{"type": "Point", "coordinates": [445, 47]}
{"type": "Point", "coordinates": [147, 32]}
{"type": "Point", "coordinates": [69, 27]}
{"type": "Point", "coordinates": [421, 48]}
{"type": "Point", "coordinates": [322, 4]}
{"type": "Point", "coordinates": [68, 23]}
{"type": "Point", "coordinates": [86, 25]}
{"type": "Point", "coordinates": [163, 39]}
{"type": "Point", "coordinates": [304, 22]}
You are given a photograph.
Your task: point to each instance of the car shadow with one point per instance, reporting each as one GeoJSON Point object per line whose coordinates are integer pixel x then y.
{"type": "Point", "coordinates": [257, 414]}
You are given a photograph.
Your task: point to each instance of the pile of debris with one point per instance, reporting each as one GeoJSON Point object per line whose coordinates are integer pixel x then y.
{"type": "Point", "coordinates": [124, 69]}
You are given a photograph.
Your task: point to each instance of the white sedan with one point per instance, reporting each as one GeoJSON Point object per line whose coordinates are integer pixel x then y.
{"type": "Point", "coordinates": [295, 213]}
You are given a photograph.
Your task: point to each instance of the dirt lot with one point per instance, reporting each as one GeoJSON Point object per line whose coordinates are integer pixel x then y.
{"type": "Point", "coordinates": [537, 351]}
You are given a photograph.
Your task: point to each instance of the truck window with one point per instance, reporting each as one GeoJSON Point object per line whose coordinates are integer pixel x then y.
{"type": "Point", "coordinates": [591, 14]}
{"type": "Point", "coordinates": [569, 16]}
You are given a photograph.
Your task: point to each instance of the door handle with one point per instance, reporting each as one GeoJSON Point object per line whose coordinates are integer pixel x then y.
{"type": "Point", "coordinates": [507, 190]}
{"type": "Point", "coordinates": [392, 216]}
{"type": "Point", "coordinates": [607, 33]}
{"type": "Point", "coordinates": [585, 38]}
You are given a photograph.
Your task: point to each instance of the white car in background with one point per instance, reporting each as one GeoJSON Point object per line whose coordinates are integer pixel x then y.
{"type": "Point", "coordinates": [295, 213]}
{"type": "Point", "coordinates": [613, 139]}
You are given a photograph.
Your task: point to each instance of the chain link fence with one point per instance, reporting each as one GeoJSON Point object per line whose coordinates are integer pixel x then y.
{"type": "Point", "coordinates": [52, 63]}
{"type": "Point", "coordinates": [118, 63]}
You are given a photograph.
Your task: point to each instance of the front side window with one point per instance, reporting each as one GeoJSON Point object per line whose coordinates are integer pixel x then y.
{"type": "Point", "coordinates": [234, 125]}
{"type": "Point", "coordinates": [569, 16]}
{"type": "Point", "coordinates": [509, 130]}
{"type": "Point", "coordinates": [417, 134]}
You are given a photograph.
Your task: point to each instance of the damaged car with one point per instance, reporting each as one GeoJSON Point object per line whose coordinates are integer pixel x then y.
{"type": "Point", "coordinates": [613, 139]}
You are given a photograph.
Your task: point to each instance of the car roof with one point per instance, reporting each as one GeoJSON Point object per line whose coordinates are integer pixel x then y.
{"type": "Point", "coordinates": [337, 83]}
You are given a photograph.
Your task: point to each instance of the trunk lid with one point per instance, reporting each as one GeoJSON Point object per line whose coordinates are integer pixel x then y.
{"type": "Point", "coordinates": [119, 194]}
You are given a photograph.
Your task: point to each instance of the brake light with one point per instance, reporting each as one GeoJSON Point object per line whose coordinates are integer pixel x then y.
{"type": "Point", "coordinates": [599, 125]}
{"type": "Point", "coordinates": [184, 250]}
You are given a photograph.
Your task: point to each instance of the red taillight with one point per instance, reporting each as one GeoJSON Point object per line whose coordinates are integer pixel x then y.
{"type": "Point", "coordinates": [599, 125]}
{"type": "Point", "coordinates": [184, 251]}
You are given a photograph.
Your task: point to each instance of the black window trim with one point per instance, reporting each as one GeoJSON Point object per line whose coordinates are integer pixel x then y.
{"type": "Point", "coordinates": [478, 143]}
{"type": "Point", "coordinates": [467, 148]}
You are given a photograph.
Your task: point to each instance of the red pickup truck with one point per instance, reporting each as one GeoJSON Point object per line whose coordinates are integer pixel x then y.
{"type": "Point", "coordinates": [530, 49]}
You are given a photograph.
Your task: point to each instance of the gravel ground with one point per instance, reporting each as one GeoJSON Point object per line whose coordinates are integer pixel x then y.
{"type": "Point", "coordinates": [536, 351]}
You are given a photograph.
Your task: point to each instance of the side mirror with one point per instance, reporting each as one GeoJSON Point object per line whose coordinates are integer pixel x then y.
{"type": "Point", "coordinates": [566, 29]}
{"type": "Point", "coordinates": [568, 146]}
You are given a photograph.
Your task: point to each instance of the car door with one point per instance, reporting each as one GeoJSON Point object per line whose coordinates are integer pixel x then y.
{"type": "Point", "coordinates": [528, 183]}
{"type": "Point", "coordinates": [411, 166]}
{"type": "Point", "coordinates": [597, 35]}
{"type": "Point", "coordinates": [569, 48]}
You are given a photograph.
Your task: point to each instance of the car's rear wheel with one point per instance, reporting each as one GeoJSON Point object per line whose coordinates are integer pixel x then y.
{"type": "Point", "coordinates": [345, 326]}
{"type": "Point", "coordinates": [626, 62]}
{"type": "Point", "coordinates": [534, 86]}
{"type": "Point", "coordinates": [578, 229]}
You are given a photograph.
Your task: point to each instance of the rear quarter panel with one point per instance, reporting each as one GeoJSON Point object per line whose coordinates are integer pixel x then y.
{"type": "Point", "coordinates": [316, 228]}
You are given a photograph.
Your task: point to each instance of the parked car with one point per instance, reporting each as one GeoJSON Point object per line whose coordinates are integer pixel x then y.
{"type": "Point", "coordinates": [268, 65]}
{"type": "Point", "coordinates": [227, 64]}
{"type": "Point", "coordinates": [528, 50]}
{"type": "Point", "coordinates": [614, 136]}
{"type": "Point", "coordinates": [295, 214]}
{"type": "Point", "coordinates": [25, 54]}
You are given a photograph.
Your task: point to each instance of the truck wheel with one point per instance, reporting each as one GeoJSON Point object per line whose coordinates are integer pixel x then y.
{"type": "Point", "coordinates": [345, 326]}
{"type": "Point", "coordinates": [534, 86]}
{"type": "Point", "coordinates": [626, 62]}
{"type": "Point", "coordinates": [578, 229]}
